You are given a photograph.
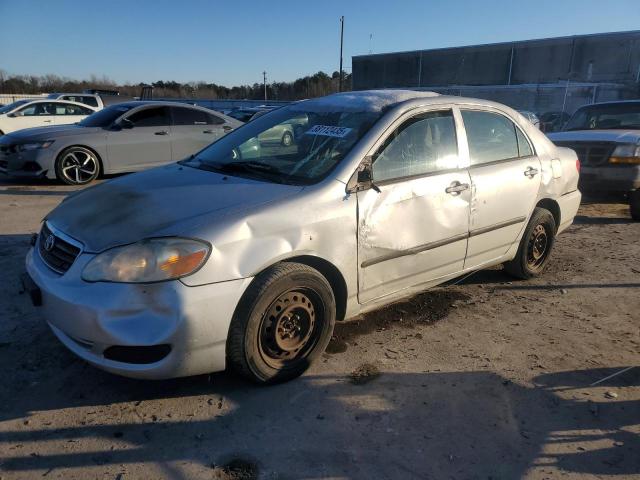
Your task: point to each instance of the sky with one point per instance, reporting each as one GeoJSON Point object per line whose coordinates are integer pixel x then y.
{"type": "Point", "coordinates": [231, 42]}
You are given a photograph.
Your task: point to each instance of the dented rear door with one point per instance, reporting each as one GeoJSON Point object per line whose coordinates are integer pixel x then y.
{"type": "Point", "coordinates": [415, 229]}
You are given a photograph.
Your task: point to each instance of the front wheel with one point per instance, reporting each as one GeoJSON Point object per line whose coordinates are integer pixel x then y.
{"type": "Point", "coordinates": [77, 166]}
{"type": "Point", "coordinates": [282, 324]}
{"type": "Point", "coordinates": [535, 246]}
{"type": "Point", "coordinates": [634, 204]}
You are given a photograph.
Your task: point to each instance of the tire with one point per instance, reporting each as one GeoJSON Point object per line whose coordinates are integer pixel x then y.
{"type": "Point", "coordinates": [634, 205]}
{"type": "Point", "coordinates": [287, 139]}
{"type": "Point", "coordinates": [283, 323]}
{"type": "Point", "coordinates": [77, 166]}
{"type": "Point", "coordinates": [535, 247]}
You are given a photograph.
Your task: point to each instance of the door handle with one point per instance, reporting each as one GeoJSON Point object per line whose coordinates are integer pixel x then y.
{"type": "Point", "coordinates": [207, 131]}
{"type": "Point", "coordinates": [46, 121]}
{"type": "Point", "coordinates": [227, 128]}
{"type": "Point", "coordinates": [456, 188]}
{"type": "Point", "coordinates": [531, 172]}
{"type": "Point", "coordinates": [161, 132]}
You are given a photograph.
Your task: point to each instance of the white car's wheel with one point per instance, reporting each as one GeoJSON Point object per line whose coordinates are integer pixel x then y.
{"type": "Point", "coordinates": [535, 246]}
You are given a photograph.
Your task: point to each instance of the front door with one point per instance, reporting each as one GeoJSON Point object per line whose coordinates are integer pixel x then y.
{"type": "Point", "coordinates": [144, 140]}
{"type": "Point", "coordinates": [415, 229]}
{"type": "Point", "coordinates": [37, 114]}
{"type": "Point", "coordinates": [505, 178]}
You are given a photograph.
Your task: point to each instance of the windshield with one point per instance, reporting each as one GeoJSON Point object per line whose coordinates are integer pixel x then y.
{"type": "Point", "coordinates": [603, 117]}
{"type": "Point", "coordinates": [11, 106]}
{"type": "Point", "coordinates": [106, 116]}
{"type": "Point", "coordinates": [289, 145]}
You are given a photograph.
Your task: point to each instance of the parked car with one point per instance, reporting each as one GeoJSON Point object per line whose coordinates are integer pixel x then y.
{"type": "Point", "coordinates": [606, 137]}
{"type": "Point", "coordinates": [38, 113]}
{"type": "Point", "coordinates": [94, 100]}
{"type": "Point", "coordinates": [532, 117]}
{"type": "Point", "coordinates": [553, 121]}
{"type": "Point", "coordinates": [121, 138]}
{"type": "Point", "coordinates": [215, 262]}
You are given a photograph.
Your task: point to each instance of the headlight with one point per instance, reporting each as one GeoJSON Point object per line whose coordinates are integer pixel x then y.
{"type": "Point", "coordinates": [626, 154]}
{"type": "Point", "coordinates": [25, 147]}
{"type": "Point", "coordinates": [152, 260]}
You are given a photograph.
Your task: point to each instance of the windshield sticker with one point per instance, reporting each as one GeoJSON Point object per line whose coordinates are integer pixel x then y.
{"type": "Point", "coordinates": [329, 131]}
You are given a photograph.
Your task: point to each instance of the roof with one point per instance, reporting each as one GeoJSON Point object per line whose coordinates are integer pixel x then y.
{"type": "Point", "coordinates": [361, 101]}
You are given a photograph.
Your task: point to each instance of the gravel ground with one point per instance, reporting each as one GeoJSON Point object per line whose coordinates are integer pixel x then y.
{"type": "Point", "coordinates": [489, 378]}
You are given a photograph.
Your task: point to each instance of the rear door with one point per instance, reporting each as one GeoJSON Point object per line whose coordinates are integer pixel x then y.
{"type": "Point", "coordinates": [67, 113]}
{"type": "Point", "coordinates": [193, 129]}
{"type": "Point", "coordinates": [143, 142]}
{"type": "Point", "coordinates": [505, 179]}
{"type": "Point", "coordinates": [414, 229]}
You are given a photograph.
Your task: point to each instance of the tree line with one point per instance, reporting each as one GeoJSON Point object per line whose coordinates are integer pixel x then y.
{"type": "Point", "coordinates": [315, 85]}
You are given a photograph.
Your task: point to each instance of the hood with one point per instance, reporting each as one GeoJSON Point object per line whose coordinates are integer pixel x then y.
{"type": "Point", "coordinates": [157, 202]}
{"type": "Point", "coordinates": [48, 133]}
{"type": "Point", "coordinates": [618, 136]}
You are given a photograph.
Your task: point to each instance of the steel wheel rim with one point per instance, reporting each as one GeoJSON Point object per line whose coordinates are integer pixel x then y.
{"type": "Point", "coordinates": [79, 166]}
{"type": "Point", "coordinates": [538, 246]}
{"type": "Point", "coordinates": [290, 327]}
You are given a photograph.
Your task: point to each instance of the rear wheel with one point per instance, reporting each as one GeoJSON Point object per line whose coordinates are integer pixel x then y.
{"type": "Point", "coordinates": [77, 166]}
{"type": "Point", "coordinates": [535, 247]}
{"type": "Point", "coordinates": [634, 204]}
{"type": "Point", "coordinates": [282, 324]}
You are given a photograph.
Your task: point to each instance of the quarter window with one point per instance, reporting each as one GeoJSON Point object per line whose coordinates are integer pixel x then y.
{"type": "Point", "coordinates": [493, 137]}
{"type": "Point", "coordinates": [149, 117]}
{"type": "Point", "coordinates": [424, 144]}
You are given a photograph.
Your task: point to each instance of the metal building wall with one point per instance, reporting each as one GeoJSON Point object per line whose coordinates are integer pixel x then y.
{"type": "Point", "coordinates": [607, 57]}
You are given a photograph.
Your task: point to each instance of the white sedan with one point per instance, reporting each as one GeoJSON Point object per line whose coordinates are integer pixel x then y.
{"type": "Point", "coordinates": [40, 113]}
{"type": "Point", "coordinates": [245, 256]}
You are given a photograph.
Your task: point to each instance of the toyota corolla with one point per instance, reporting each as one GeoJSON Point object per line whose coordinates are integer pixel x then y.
{"type": "Point", "coordinates": [245, 255]}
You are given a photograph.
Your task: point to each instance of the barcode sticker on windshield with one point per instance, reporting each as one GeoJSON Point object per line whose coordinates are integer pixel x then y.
{"type": "Point", "coordinates": [328, 131]}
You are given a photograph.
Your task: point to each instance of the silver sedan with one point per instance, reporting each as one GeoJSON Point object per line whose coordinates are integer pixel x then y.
{"type": "Point", "coordinates": [125, 137]}
{"type": "Point", "coordinates": [247, 262]}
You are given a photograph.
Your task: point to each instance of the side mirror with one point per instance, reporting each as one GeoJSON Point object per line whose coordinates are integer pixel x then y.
{"type": "Point", "coordinates": [364, 174]}
{"type": "Point", "coordinates": [14, 114]}
{"type": "Point", "coordinates": [363, 178]}
{"type": "Point", "coordinates": [126, 123]}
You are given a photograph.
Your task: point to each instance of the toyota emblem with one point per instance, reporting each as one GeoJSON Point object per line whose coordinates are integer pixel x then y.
{"type": "Point", "coordinates": [49, 243]}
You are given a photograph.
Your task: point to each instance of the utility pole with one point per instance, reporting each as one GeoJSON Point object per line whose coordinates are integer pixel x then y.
{"type": "Point", "coordinates": [341, 41]}
{"type": "Point", "coordinates": [264, 81]}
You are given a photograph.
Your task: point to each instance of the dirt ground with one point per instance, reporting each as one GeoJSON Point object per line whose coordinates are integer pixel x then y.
{"type": "Point", "coordinates": [487, 379]}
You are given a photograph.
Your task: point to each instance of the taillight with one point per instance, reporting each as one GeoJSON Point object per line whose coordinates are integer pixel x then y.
{"type": "Point", "coordinates": [578, 165]}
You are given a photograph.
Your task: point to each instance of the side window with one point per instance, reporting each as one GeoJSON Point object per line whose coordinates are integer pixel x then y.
{"type": "Point", "coordinates": [37, 109]}
{"type": "Point", "coordinates": [188, 116]}
{"type": "Point", "coordinates": [69, 109]}
{"type": "Point", "coordinates": [491, 136]}
{"type": "Point", "coordinates": [150, 117]}
{"type": "Point", "coordinates": [214, 119]}
{"type": "Point", "coordinates": [424, 144]}
{"type": "Point", "coordinates": [524, 148]}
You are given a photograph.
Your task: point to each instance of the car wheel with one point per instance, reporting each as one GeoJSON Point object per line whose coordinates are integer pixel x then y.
{"type": "Point", "coordinates": [287, 139]}
{"type": "Point", "coordinates": [634, 204]}
{"type": "Point", "coordinates": [535, 247]}
{"type": "Point", "coordinates": [282, 324]}
{"type": "Point", "coordinates": [77, 166]}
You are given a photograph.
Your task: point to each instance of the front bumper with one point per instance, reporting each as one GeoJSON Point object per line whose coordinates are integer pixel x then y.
{"type": "Point", "coordinates": [33, 163]}
{"type": "Point", "coordinates": [89, 318]}
{"type": "Point", "coordinates": [609, 179]}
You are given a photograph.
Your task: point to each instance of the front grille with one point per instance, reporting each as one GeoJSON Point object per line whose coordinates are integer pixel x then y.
{"type": "Point", "coordinates": [591, 154]}
{"type": "Point", "coordinates": [57, 253]}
